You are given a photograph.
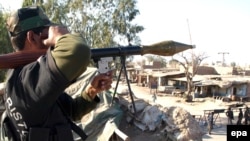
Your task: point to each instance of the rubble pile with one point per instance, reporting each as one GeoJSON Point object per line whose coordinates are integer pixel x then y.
{"type": "Point", "coordinates": [172, 123]}
{"type": "Point", "coordinates": [183, 125]}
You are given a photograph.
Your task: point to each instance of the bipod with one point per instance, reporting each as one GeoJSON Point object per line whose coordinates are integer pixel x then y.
{"type": "Point", "coordinates": [123, 60]}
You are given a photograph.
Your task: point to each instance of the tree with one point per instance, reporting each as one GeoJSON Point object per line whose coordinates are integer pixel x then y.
{"type": "Point", "coordinates": [162, 60]}
{"type": "Point", "coordinates": [122, 18]}
{"type": "Point", "coordinates": [32, 2]}
{"type": "Point", "coordinates": [152, 58]}
{"type": "Point", "coordinates": [173, 63]}
{"type": "Point", "coordinates": [233, 64]}
{"type": "Point", "coordinates": [103, 23]}
{"type": "Point", "coordinates": [5, 46]}
{"type": "Point", "coordinates": [191, 66]}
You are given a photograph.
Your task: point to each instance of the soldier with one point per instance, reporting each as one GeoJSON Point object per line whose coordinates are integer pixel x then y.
{"type": "Point", "coordinates": [230, 116]}
{"type": "Point", "coordinates": [36, 104]}
{"type": "Point", "coordinates": [246, 115]}
{"type": "Point", "coordinates": [240, 116]}
{"type": "Point", "coordinates": [210, 119]}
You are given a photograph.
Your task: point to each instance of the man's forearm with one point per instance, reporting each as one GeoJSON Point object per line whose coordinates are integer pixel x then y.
{"type": "Point", "coordinates": [72, 55]}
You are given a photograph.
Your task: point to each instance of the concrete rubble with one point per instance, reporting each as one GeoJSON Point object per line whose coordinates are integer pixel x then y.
{"type": "Point", "coordinates": [172, 123]}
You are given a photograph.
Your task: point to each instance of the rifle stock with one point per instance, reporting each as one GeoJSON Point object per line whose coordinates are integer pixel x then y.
{"type": "Point", "coordinates": [165, 48]}
{"type": "Point", "coordinates": [21, 58]}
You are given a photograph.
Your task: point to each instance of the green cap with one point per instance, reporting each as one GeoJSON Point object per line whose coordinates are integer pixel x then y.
{"type": "Point", "coordinates": [27, 18]}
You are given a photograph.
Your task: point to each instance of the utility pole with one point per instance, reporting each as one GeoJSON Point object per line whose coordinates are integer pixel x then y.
{"type": "Point", "coordinates": [190, 40]}
{"type": "Point", "coordinates": [223, 57]}
{"type": "Point", "coordinates": [189, 31]}
{"type": "Point", "coordinates": [190, 81]}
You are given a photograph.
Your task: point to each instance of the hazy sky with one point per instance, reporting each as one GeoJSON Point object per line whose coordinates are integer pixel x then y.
{"type": "Point", "coordinates": [215, 25]}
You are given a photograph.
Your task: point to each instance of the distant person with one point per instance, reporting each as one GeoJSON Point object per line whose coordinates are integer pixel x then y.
{"type": "Point", "coordinates": [210, 119]}
{"type": "Point", "coordinates": [246, 115]}
{"type": "Point", "coordinates": [230, 116]}
{"type": "Point", "coordinates": [154, 97]}
{"type": "Point", "coordinates": [240, 117]}
{"type": "Point", "coordinates": [153, 86]}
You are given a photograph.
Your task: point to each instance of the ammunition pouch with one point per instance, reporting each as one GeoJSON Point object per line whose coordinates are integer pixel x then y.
{"type": "Point", "coordinates": [59, 133]}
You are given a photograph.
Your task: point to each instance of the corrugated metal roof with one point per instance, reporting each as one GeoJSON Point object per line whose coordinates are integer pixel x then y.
{"type": "Point", "coordinates": [161, 74]}
{"type": "Point", "coordinates": [195, 79]}
{"type": "Point", "coordinates": [222, 84]}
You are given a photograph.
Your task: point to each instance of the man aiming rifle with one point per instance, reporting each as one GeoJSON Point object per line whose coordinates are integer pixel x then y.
{"type": "Point", "coordinates": [37, 107]}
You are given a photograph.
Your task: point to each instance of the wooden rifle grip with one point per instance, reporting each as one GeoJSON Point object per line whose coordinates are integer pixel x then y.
{"type": "Point", "coordinates": [20, 58]}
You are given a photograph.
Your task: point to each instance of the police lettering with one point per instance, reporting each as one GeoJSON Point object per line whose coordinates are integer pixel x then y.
{"type": "Point", "coordinates": [9, 102]}
{"type": "Point", "coordinates": [238, 133]}
{"type": "Point", "coordinates": [15, 114]}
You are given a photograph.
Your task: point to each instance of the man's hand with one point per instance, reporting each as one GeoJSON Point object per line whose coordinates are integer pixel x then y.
{"type": "Point", "coordinates": [100, 83]}
{"type": "Point", "coordinates": [54, 33]}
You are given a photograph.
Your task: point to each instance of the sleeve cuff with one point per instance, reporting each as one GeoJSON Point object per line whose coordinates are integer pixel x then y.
{"type": "Point", "coordinates": [88, 98]}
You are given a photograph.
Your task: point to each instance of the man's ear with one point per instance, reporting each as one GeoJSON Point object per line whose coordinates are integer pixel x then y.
{"type": "Point", "coordinates": [31, 37]}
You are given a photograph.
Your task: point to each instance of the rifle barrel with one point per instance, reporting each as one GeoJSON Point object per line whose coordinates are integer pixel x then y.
{"type": "Point", "coordinates": [115, 51]}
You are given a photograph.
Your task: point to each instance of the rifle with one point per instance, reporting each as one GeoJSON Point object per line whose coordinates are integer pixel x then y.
{"type": "Point", "coordinates": [165, 48]}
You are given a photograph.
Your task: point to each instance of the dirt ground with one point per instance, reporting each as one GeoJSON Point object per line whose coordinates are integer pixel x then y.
{"type": "Point", "coordinates": [133, 132]}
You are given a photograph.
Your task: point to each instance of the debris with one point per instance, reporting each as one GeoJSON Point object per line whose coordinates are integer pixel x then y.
{"type": "Point", "coordinates": [165, 121]}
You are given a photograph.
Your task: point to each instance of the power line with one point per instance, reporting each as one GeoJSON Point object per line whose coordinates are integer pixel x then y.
{"type": "Point", "coordinates": [223, 57]}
